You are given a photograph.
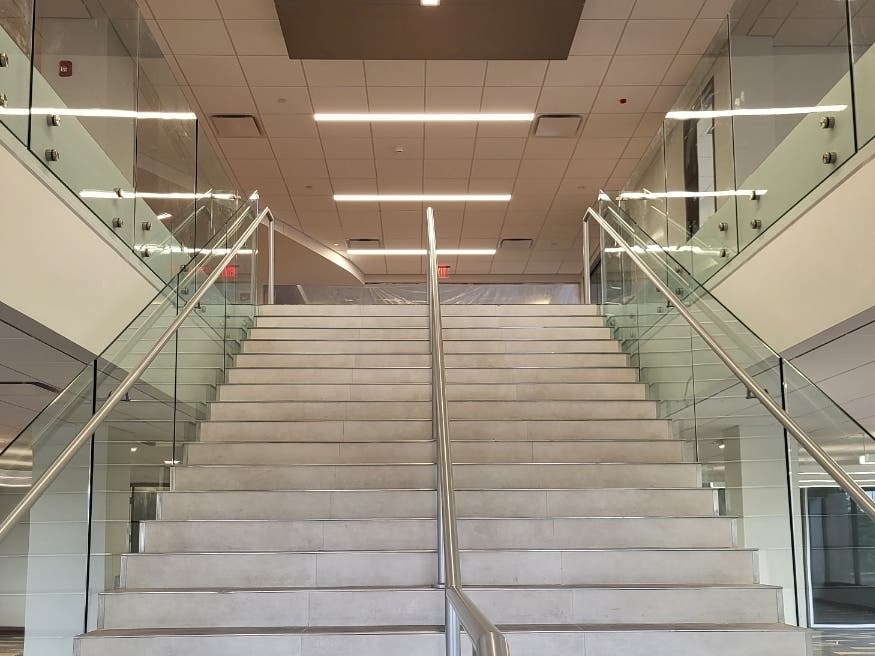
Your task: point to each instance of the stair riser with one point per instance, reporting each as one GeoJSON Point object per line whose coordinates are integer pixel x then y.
{"type": "Point", "coordinates": [424, 608]}
{"type": "Point", "coordinates": [281, 453]}
{"type": "Point", "coordinates": [369, 504]}
{"type": "Point", "coordinates": [459, 410]}
{"type": "Point", "coordinates": [504, 476]}
{"type": "Point", "coordinates": [641, 642]}
{"type": "Point", "coordinates": [492, 345]}
{"type": "Point", "coordinates": [421, 310]}
{"type": "Point", "coordinates": [453, 360]}
{"type": "Point", "coordinates": [414, 322]}
{"type": "Point", "coordinates": [422, 392]}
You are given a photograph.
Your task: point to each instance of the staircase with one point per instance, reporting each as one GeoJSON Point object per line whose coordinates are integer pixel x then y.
{"type": "Point", "coordinates": [303, 521]}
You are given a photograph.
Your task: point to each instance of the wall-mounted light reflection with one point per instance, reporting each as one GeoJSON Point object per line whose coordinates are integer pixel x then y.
{"type": "Point", "coordinates": [765, 111]}
{"type": "Point", "coordinates": [161, 249]}
{"type": "Point", "coordinates": [130, 195]}
{"type": "Point", "coordinates": [655, 248]}
{"type": "Point", "coordinates": [98, 113]}
{"type": "Point", "coordinates": [653, 195]}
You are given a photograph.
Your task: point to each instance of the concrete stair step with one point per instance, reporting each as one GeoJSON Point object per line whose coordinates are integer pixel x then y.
{"type": "Point", "coordinates": [634, 533]}
{"type": "Point", "coordinates": [398, 358]}
{"type": "Point", "coordinates": [338, 430]}
{"type": "Point", "coordinates": [421, 322]}
{"type": "Point", "coordinates": [396, 476]}
{"type": "Point", "coordinates": [616, 503]}
{"type": "Point", "coordinates": [496, 333]}
{"type": "Point", "coordinates": [422, 392]}
{"type": "Point", "coordinates": [527, 640]}
{"type": "Point", "coordinates": [418, 451]}
{"type": "Point", "coordinates": [499, 410]}
{"type": "Point", "coordinates": [419, 607]}
{"type": "Point", "coordinates": [422, 374]}
{"type": "Point", "coordinates": [421, 345]}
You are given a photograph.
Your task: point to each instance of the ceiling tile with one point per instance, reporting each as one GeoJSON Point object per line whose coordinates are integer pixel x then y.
{"type": "Point", "coordinates": [246, 148]}
{"type": "Point", "coordinates": [339, 99]}
{"type": "Point", "coordinates": [700, 36]}
{"type": "Point", "coordinates": [247, 9]}
{"type": "Point", "coordinates": [491, 186]}
{"type": "Point", "coordinates": [455, 73]}
{"type": "Point", "coordinates": [397, 130]}
{"type": "Point", "coordinates": [446, 185]}
{"type": "Point", "coordinates": [578, 71]}
{"type": "Point", "coordinates": [664, 99]}
{"type": "Point", "coordinates": [453, 130]}
{"type": "Point", "coordinates": [212, 70]}
{"type": "Point", "coordinates": [653, 37]}
{"type": "Point", "coordinates": [257, 37]}
{"type": "Point", "coordinates": [194, 9]}
{"type": "Point", "coordinates": [611, 125]}
{"type": "Point", "coordinates": [600, 148]}
{"type": "Point", "coordinates": [354, 185]}
{"type": "Point", "coordinates": [510, 99]}
{"type": "Point", "coordinates": [340, 73]}
{"type": "Point", "coordinates": [649, 125]}
{"type": "Point", "coordinates": [307, 203]}
{"type": "Point", "coordinates": [550, 148]}
{"type": "Point", "coordinates": [273, 71]}
{"type": "Point", "coordinates": [395, 73]}
{"type": "Point", "coordinates": [396, 99]}
{"type": "Point", "coordinates": [681, 69]}
{"type": "Point", "coordinates": [655, 9]}
{"type": "Point", "coordinates": [348, 148]}
{"type": "Point", "coordinates": [297, 148]}
{"type": "Point", "coordinates": [448, 168]}
{"type": "Point", "coordinates": [453, 99]}
{"type": "Point", "coordinates": [224, 100]}
{"type": "Point", "coordinates": [499, 148]}
{"type": "Point", "coordinates": [301, 126]}
{"type": "Point", "coordinates": [536, 186]}
{"type": "Point", "coordinates": [625, 168]}
{"type": "Point", "coordinates": [282, 100]}
{"type": "Point", "coordinates": [716, 8]}
{"type": "Point", "coordinates": [647, 70]}
{"type": "Point", "coordinates": [495, 168]}
{"type": "Point", "coordinates": [566, 100]}
{"type": "Point", "coordinates": [197, 37]}
{"type": "Point", "coordinates": [411, 149]}
{"type": "Point", "coordinates": [637, 147]}
{"type": "Point", "coordinates": [303, 168]}
{"type": "Point", "coordinates": [309, 187]}
{"type": "Point", "coordinates": [543, 168]}
{"type": "Point", "coordinates": [611, 100]}
{"type": "Point", "coordinates": [516, 73]}
{"type": "Point", "coordinates": [503, 130]}
{"type": "Point", "coordinates": [607, 9]}
{"type": "Point", "coordinates": [449, 148]}
{"type": "Point", "coordinates": [597, 37]}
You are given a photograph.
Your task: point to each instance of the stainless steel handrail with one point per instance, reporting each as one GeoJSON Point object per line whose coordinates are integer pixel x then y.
{"type": "Point", "coordinates": [486, 639]}
{"type": "Point", "coordinates": [817, 452]}
{"type": "Point", "coordinates": [53, 470]}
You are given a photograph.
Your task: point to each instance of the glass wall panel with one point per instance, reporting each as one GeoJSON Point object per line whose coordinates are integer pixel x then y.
{"type": "Point", "coordinates": [16, 35]}
{"type": "Point", "coordinates": [862, 39]}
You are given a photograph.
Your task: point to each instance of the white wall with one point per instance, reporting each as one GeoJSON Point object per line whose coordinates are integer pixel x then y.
{"type": "Point", "coordinates": [815, 274]}
{"type": "Point", "coordinates": [55, 267]}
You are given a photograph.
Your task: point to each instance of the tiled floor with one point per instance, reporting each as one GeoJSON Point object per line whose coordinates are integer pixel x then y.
{"type": "Point", "coordinates": [839, 642]}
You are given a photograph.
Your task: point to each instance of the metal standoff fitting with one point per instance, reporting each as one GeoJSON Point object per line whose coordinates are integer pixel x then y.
{"type": "Point", "coordinates": [4, 100]}
{"type": "Point", "coordinates": [756, 224]}
{"type": "Point", "coordinates": [118, 192]}
{"type": "Point", "coordinates": [146, 225]}
{"type": "Point", "coordinates": [755, 195]}
{"type": "Point", "coordinates": [4, 60]}
{"type": "Point", "coordinates": [830, 157]}
{"type": "Point", "coordinates": [52, 155]}
{"type": "Point", "coordinates": [827, 122]}
{"type": "Point", "coordinates": [724, 252]}
{"type": "Point", "coordinates": [117, 222]}
{"type": "Point", "coordinates": [723, 226]}
{"type": "Point", "coordinates": [53, 120]}
{"type": "Point", "coordinates": [145, 253]}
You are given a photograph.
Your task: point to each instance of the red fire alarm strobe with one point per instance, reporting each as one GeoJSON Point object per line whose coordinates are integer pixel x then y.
{"type": "Point", "coordinates": [65, 68]}
{"type": "Point", "coordinates": [443, 270]}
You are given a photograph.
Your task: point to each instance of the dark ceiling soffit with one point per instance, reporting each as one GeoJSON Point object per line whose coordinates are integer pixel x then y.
{"type": "Point", "coordinates": [402, 29]}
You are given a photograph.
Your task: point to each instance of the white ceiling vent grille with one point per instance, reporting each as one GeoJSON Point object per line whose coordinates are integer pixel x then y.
{"type": "Point", "coordinates": [516, 244]}
{"type": "Point", "coordinates": [364, 243]}
{"type": "Point", "coordinates": [236, 125]}
{"type": "Point", "coordinates": [558, 125]}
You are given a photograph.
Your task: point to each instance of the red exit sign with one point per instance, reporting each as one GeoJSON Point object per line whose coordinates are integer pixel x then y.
{"type": "Point", "coordinates": [443, 270]}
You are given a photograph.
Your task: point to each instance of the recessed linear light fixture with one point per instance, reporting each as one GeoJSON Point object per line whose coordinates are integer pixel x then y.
{"type": "Point", "coordinates": [651, 195]}
{"type": "Point", "coordinates": [430, 3]}
{"type": "Point", "coordinates": [427, 117]}
{"type": "Point", "coordinates": [420, 251]}
{"type": "Point", "coordinates": [98, 113]}
{"type": "Point", "coordinates": [766, 111]}
{"type": "Point", "coordinates": [422, 198]}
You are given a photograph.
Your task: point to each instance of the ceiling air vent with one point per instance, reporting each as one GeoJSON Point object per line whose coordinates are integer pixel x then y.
{"type": "Point", "coordinates": [516, 244]}
{"type": "Point", "coordinates": [236, 125]}
{"type": "Point", "coordinates": [363, 243]}
{"type": "Point", "coordinates": [557, 125]}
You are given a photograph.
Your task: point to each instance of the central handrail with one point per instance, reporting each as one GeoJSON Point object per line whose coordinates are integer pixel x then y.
{"type": "Point", "coordinates": [117, 395]}
{"type": "Point", "coordinates": [829, 464]}
{"type": "Point", "coordinates": [486, 639]}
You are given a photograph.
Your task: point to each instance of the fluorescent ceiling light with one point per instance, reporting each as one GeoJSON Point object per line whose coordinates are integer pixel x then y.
{"type": "Point", "coordinates": [428, 117]}
{"type": "Point", "coordinates": [766, 111]}
{"type": "Point", "coordinates": [422, 198]}
{"type": "Point", "coordinates": [100, 113]}
{"type": "Point", "coordinates": [128, 195]}
{"type": "Point", "coordinates": [420, 251]}
{"type": "Point", "coordinates": [650, 195]}
{"type": "Point", "coordinates": [430, 3]}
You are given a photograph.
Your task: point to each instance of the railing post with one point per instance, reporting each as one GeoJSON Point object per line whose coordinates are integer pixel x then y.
{"type": "Point", "coordinates": [603, 270]}
{"type": "Point", "coordinates": [271, 293]}
{"type": "Point", "coordinates": [586, 296]}
{"type": "Point", "coordinates": [454, 638]}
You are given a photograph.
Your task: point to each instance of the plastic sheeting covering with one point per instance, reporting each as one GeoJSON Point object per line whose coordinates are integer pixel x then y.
{"type": "Point", "coordinates": [415, 294]}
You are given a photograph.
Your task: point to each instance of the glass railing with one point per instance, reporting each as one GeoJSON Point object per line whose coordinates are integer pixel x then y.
{"type": "Point", "coordinates": [812, 538]}
{"type": "Point", "coordinates": [68, 548]}
{"type": "Point", "coordinates": [784, 96]}
{"type": "Point", "coordinates": [88, 91]}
